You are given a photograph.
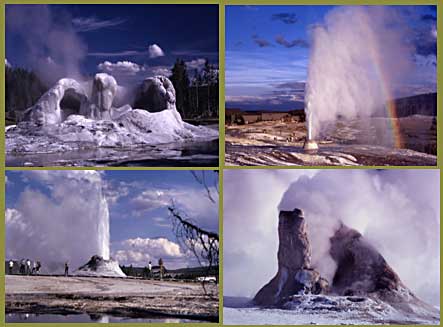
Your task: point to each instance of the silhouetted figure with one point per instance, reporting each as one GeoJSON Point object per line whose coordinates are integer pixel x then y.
{"type": "Point", "coordinates": [66, 269]}
{"type": "Point", "coordinates": [34, 267]}
{"type": "Point", "coordinates": [149, 270]}
{"type": "Point", "coordinates": [160, 263]}
{"type": "Point", "coordinates": [11, 266]}
{"type": "Point", "coordinates": [39, 265]}
{"type": "Point", "coordinates": [22, 266]}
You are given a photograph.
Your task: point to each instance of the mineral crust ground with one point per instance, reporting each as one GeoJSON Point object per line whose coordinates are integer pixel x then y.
{"type": "Point", "coordinates": [123, 297]}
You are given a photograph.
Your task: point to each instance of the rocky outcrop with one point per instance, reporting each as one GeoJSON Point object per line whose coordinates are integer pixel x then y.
{"type": "Point", "coordinates": [294, 274]}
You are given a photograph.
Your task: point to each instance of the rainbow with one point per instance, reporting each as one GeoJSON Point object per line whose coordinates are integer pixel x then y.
{"type": "Point", "coordinates": [390, 105]}
{"type": "Point", "coordinates": [386, 89]}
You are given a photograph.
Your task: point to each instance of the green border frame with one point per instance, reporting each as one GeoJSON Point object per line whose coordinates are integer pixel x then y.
{"type": "Point", "coordinates": [222, 166]}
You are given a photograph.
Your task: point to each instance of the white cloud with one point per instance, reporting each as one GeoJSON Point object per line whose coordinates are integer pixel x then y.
{"type": "Point", "coordinates": [155, 51]}
{"type": "Point", "coordinates": [151, 200]}
{"type": "Point", "coordinates": [139, 251]}
{"type": "Point", "coordinates": [114, 192]}
{"type": "Point", "coordinates": [120, 68]}
{"type": "Point", "coordinates": [198, 64]}
{"type": "Point", "coordinates": [193, 203]}
{"type": "Point", "coordinates": [86, 24]}
{"type": "Point", "coordinates": [434, 31]}
{"type": "Point", "coordinates": [156, 247]}
{"type": "Point", "coordinates": [160, 70]}
{"type": "Point", "coordinates": [7, 64]}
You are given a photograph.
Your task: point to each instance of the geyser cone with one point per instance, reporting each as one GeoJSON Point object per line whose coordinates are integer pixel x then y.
{"type": "Point", "coordinates": [310, 146]}
{"type": "Point", "coordinates": [97, 266]}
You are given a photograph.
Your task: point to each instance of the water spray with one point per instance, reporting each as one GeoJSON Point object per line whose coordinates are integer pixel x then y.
{"type": "Point", "coordinates": [310, 145]}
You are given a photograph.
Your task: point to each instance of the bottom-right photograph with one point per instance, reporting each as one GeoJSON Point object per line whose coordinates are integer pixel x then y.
{"type": "Point", "coordinates": [331, 246]}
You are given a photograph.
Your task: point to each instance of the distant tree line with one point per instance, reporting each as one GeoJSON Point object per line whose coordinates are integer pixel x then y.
{"type": "Point", "coordinates": [22, 89]}
{"type": "Point", "coordinates": [197, 96]}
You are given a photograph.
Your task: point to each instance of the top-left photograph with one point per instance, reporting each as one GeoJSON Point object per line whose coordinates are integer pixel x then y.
{"type": "Point", "coordinates": [112, 85]}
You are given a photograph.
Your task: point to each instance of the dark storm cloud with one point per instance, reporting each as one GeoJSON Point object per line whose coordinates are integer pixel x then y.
{"type": "Point", "coordinates": [262, 43]}
{"type": "Point", "coordinates": [425, 43]}
{"type": "Point", "coordinates": [429, 18]}
{"type": "Point", "coordinates": [284, 96]}
{"type": "Point", "coordinates": [287, 18]}
{"type": "Point", "coordinates": [426, 49]}
{"type": "Point", "coordinates": [295, 86]}
{"type": "Point", "coordinates": [289, 91]}
{"type": "Point", "coordinates": [290, 44]}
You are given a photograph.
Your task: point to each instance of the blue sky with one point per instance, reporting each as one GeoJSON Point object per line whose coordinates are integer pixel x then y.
{"type": "Point", "coordinates": [140, 225]}
{"type": "Point", "coordinates": [267, 52]}
{"type": "Point", "coordinates": [99, 33]}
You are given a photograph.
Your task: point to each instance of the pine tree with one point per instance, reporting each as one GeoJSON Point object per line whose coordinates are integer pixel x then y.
{"type": "Point", "coordinates": [180, 80]}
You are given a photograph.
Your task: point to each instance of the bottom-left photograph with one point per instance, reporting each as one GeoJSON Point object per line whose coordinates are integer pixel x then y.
{"type": "Point", "coordinates": [112, 246]}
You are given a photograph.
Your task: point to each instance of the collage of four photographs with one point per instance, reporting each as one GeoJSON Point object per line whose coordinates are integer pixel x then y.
{"type": "Point", "coordinates": [269, 164]}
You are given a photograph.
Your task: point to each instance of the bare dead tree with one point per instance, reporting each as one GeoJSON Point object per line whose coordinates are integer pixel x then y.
{"type": "Point", "coordinates": [203, 244]}
{"type": "Point", "coordinates": [202, 179]}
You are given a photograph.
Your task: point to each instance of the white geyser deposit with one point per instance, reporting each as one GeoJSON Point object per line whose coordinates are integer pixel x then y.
{"type": "Point", "coordinates": [74, 115]}
{"type": "Point", "coordinates": [98, 266]}
{"type": "Point", "coordinates": [357, 55]}
{"type": "Point", "coordinates": [64, 219]}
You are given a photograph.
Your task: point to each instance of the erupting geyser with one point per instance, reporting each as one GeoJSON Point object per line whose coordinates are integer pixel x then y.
{"type": "Point", "coordinates": [357, 55]}
{"type": "Point", "coordinates": [310, 145]}
{"type": "Point", "coordinates": [68, 223]}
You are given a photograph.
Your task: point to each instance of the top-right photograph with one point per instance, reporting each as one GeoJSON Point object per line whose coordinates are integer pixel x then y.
{"type": "Point", "coordinates": [331, 86]}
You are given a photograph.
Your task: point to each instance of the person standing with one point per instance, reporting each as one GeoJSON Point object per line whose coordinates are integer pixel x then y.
{"type": "Point", "coordinates": [149, 269]}
{"type": "Point", "coordinates": [160, 263]}
{"type": "Point", "coordinates": [66, 269]}
{"type": "Point", "coordinates": [22, 266]}
{"type": "Point", "coordinates": [11, 266]}
{"type": "Point", "coordinates": [34, 267]}
{"type": "Point", "coordinates": [28, 267]}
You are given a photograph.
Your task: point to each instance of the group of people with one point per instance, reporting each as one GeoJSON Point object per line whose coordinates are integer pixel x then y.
{"type": "Point", "coordinates": [26, 267]}
{"type": "Point", "coordinates": [148, 269]}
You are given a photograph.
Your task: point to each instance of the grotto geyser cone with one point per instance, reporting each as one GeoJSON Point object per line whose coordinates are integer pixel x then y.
{"type": "Point", "coordinates": [99, 267]}
{"type": "Point", "coordinates": [67, 118]}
